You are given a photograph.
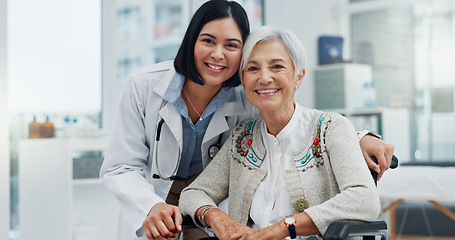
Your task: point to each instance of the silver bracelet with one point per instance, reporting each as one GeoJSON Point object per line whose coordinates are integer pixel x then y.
{"type": "Point", "coordinates": [201, 217]}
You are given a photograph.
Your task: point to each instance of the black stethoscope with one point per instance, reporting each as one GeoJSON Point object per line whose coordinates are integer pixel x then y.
{"type": "Point", "coordinates": [212, 151]}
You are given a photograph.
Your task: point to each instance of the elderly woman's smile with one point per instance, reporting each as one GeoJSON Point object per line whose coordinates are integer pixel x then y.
{"type": "Point", "coordinates": [269, 79]}
{"type": "Point", "coordinates": [267, 91]}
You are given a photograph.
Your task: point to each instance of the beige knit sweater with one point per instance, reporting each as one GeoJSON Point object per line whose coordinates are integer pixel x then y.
{"type": "Point", "coordinates": [337, 185]}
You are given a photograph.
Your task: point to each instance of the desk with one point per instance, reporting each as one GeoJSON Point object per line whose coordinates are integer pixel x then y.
{"type": "Point", "coordinates": [418, 184]}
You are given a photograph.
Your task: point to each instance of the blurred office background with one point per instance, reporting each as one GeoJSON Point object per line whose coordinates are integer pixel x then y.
{"type": "Point", "coordinates": [67, 61]}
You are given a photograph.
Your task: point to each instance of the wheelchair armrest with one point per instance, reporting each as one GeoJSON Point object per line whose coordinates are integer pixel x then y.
{"type": "Point", "coordinates": [340, 230]}
{"type": "Point", "coordinates": [188, 222]}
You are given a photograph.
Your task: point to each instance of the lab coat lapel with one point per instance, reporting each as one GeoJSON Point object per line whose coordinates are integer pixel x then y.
{"type": "Point", "coordinates": [219, 123]}
{"type": "Point", "coordinates": [169, 148]}
{"type": "Point", "coordinates": [234, 108]}
{"type": "Point", "coordinates": [173, 121]}
{"type": "Point", "coordinates": [223, 119]}
{"type": "Point", "coordinates": [217, 126]}
{"type": "Point", "coordinates": [168, 112]}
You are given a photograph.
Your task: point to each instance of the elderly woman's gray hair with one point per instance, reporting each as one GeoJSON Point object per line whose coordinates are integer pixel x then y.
{"type": "Point", "coordinates": [290, 41]}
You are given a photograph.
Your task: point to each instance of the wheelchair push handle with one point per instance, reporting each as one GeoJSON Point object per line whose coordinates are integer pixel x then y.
{"type": "Point", "coordinates": [393, 165]}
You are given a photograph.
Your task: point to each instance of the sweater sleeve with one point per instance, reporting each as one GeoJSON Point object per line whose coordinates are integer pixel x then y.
{"type": "Point", "coordinates": [211, 187]}
{"type": "Point", "coordinates": [358, 198]}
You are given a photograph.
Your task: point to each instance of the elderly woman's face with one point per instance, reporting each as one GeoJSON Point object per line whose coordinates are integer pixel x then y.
{"type": "Point", "coordinates": [268, 77]}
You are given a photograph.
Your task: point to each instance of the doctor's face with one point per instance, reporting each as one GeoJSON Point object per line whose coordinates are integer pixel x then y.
{"type": "Point", "coordinates": [218, 51]}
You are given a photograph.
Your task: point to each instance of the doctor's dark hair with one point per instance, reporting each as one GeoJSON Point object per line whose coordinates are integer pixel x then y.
{"type": "Point", "coordinates": [209, 11]}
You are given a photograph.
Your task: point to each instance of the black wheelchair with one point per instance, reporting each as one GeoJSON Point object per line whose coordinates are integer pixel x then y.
{"type": "Point", "coordinates": [338, 230]}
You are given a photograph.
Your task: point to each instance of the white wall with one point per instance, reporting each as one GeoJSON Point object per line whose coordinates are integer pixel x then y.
{"type": "Point", "coordinates": [111, 89]}
{"type": "Point", "coordinates": [309, 19]}
{"type": "Point", "coordinates": [4, 116]}
{"type": "Point", "coordinates": [54, 56]}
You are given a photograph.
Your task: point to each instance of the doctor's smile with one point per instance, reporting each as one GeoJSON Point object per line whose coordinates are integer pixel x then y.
{"type": "Point", "coordinates": [215, 68]}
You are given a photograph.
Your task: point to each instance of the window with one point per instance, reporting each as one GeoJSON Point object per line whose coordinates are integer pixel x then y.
{"type": "Point", "coordinates": [54, 70]}
{"type": "Point", "coordinates": [128, 18]}
{"type": "Point", "coordinates": [410, 47]}
{"type": "Point", "coordinates": [126, 66]}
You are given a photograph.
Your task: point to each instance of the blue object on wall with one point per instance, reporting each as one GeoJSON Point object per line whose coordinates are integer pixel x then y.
{"type": "Point", "coordinates": [330, 49]}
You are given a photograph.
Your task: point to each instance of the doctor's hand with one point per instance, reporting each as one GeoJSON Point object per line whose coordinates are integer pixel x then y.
{"type": "Point", "coordinates": [373, 146]}
{"type": "Point", "coordinates": [222, 225]}
{"type": "Point", "coordinates": [163, 221]}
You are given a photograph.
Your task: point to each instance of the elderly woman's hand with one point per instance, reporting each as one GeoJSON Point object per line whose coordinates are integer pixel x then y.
{"type": "Point", "coordinates": [275, 232]}
{"type": "Point", "coordinates": [254, 234]}
{"type": "Point", "coordinates": [373, 146]}
{"type": "Point", "coordinates": [222, 225]}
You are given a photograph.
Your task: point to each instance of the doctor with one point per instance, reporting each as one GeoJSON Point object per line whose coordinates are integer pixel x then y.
{"type": "Point", "coordinates": [174, 115]}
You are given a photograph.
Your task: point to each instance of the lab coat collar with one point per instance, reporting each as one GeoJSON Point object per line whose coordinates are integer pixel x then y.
{"type": "Point", "coordinates": [235, 108]}
{"type": "Point", "coordinates": [161, 88]}
{"type": "Point", "coordinates": [219, 122]}
{"type": "Point", "coordinates": [223, 119]}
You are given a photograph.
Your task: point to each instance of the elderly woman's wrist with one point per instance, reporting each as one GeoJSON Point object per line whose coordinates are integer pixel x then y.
{"type": "Point", "coordinates": [202, 215]}
{"type": "Point", "coordinates": [278, 230]}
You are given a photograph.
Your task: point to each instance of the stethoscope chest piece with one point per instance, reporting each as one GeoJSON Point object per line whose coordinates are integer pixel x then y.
{"type": "Point", "coordinates": [213, 150]}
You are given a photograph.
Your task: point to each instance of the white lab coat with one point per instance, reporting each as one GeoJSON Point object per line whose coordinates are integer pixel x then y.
{"type": "Point", "coordinates": [130, 163]}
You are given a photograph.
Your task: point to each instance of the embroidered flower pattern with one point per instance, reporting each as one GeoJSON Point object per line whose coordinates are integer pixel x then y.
{"type": "Point", "coordinates": [243, 145]}
{"type": "Point", "coordinates": [314, 151]}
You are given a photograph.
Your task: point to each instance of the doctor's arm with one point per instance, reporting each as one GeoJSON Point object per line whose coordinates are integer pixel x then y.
{"type": "Point", "coordinates": [124, 168]}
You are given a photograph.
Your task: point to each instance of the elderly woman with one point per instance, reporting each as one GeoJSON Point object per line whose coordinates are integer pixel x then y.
{"type": "Point", "coordinates": [293, 171]}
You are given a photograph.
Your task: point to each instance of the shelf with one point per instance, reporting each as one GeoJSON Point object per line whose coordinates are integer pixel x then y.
{"type": "Point", "coordinates": [52, 203]}
{"type": "Point", "coordinates": [87, 181]}
{"type": "Point", "coordinates": [391, 123]}
{"type": "Point", "coordinates": [88, 144]}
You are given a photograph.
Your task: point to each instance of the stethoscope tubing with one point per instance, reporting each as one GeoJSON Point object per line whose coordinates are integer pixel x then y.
{"type": "Point", "coordinates": [157, 140]}
{"type": "Point", "coordinates": [212, 151]}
